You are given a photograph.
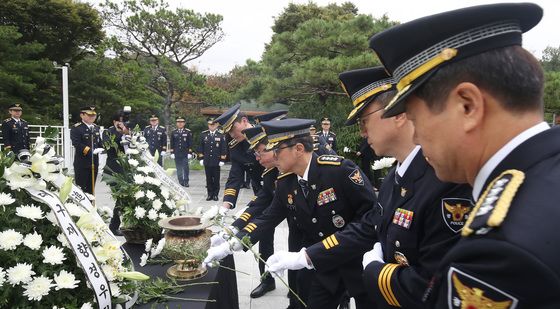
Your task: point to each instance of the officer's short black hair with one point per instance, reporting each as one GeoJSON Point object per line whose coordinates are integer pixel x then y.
{"type": "Point", "coordinates": [385, 97]}
{"type": "Point", "coordinates": [117, 117]}
{"type": "Point", "coordinates": [306, 141]}
{"type": "Point", "coordinates": [511, 74]}
{"type": "Point", "coordinates": [240, 116]}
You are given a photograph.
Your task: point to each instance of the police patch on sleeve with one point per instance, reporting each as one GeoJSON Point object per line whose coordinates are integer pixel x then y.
{"type": "Point", "coordinates": [466, 291]}
{"type": "Point", "coordinates": [356, 177]}
{"type": "Point", "coordinates": [455, 212]}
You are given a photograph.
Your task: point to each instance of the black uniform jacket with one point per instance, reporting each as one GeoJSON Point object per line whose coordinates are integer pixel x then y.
{"type": "Point", "coordinates": [156, 139]}
{"type": "Point", "coordinates": [85, 141]}
{"type": "Point", "coordinates": [212, 149]}
{"type": "Point", "coordinates": [339, 194]}
{"type": "Point", "coordinates": [112, 162]}
{"type": "Point", "coordinates": [330, 139]}
{"type": "Point", "coordinates": [509, 255]}
{"type": "Point", "coordinates": [181, 142]}
{"type": "Point", "coordinates": [242, 160]}
{"type": "Point", "coordinates": [422, 218]}
{"type": "Point", "coordinates": [261, 201]}
{"type": "Point", "coordinates": [15, 135]}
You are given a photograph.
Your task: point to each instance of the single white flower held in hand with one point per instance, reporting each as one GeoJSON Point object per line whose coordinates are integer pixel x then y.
{"type": "Point", "coordinates": [6, 199]}
{"type": "Point", "coordinates": [10, 239]}
{"type": "Point", "coordinates": [148, 245]}
{"type": "Point", "coordinates": [21, 273]}
{"type": "Point", "coordinates": [144, 259]}
{"type": "Point", "coordinates": [65, 280]}
{"type": "Point", "coordinates": [37, 288]}
{"type": "Point", "coordinates": [383, 163]}
{"type": "Point", "coordinates": [53, 255]}
{"type": "Point", "coordinates": [33, 241]}
{"type": "Point", "coordinates": [30, 212]}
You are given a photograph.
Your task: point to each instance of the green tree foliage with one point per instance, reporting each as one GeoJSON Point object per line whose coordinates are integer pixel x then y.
{"type": "Point", "coordinates": [166, 39]}
{"type": "Point", "coordinates": [67, 29]}
{"type": "Point", "coordinates": [23, 77]}
{"type": "Point", "coordinates": [551, 64]}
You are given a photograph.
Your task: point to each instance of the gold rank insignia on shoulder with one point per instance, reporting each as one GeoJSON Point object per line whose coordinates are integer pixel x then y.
{"type": "Point", "coordinates": [267, 171]}
{"type": "Point", "coordinates": [284, 175]}
{"type": "Point", "coordinates": [471, 292]}
{"type": "Point", "coordinates": [233, 143]}
{"type": "Point", "coordinates": [456, 212]}
{"type": "Point", "coordinates": [356, 177]}
{"type": "Point", "coordinates": [493, 205]}
{"type": "Point", "coordinates": [330, 160]}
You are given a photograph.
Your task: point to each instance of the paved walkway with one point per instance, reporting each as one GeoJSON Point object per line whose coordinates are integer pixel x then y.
{"type": "Point", "coordinates": [244, 260]}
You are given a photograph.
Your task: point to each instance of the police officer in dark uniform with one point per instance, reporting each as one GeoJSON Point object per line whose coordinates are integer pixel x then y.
{"type": "Point", "coordinates": [15, 131]}
{"type": "Point", "coordinates": [320, 145]}
{"type": "Point", "coordinates": [88, 145]}
{"type": "Point", "coordinates": [233, 122]}
{"type": "Point", "coordinates": [322, 195]}
{"type": "Point", "coordinates": [327, 134]}
{"type": "Point", "coordinates": [181, 150]}
{"type": "Point", "coordinates": [212, 152]}
{"type": "Point", "coordinates": [112, 142]}
{"type": "Point", "coordinates": [475, 97]}
{"type": "Point", "coordinates": [156, 137]}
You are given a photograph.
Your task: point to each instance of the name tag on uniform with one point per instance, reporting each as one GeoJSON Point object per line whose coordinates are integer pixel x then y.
{"type": "Point", "coordinates": [326, 196]}
{"type": "Point", "coordinates": [403, 217]}
{"type": "Point", "coordinates": [217, 139]}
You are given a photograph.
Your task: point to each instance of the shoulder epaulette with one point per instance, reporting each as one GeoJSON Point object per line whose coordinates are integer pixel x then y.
{"type": "Point", "coordinates": [162, 127]}
{"type": "Point", "coordinates": [146, 127]}
{"type": "Point", "coordinates": [284, 175]}
{"type": "Point", "coordinates": [266, 171]}
{"type": "Point", "coordinates": [333, 133]}
{"type": "Point", "coordinates": [330, 160]}
{"type": "Point", "coordinates": [7, 119]}
{"type": "Point", "coordinates": [187, 129]}
{"type": "Point", "coordinates": [493, 205]}
{"type": "Point", "coordinates": [77, 124]}
{"type": "Point", "coordinates": [233, 143]}
{"type": "Point", "coordinates": [23, 120]}
{"type": "Point", "coordinates": [221, 131]}
{"type": "Point", "coordinates": [205, 131]}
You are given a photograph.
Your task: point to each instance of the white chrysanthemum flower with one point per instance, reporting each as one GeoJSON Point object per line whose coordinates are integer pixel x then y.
{"type": "Point", "coordinates": [10, 239]}
{"type": "Point", "coordinates": [30, 212]}
{"type": "Point", "coordinates": [86, 306]}
{"type": "Point", "coordinates": [65, 280]}
{"type": "Point", "coordinates": [144, 169]}
{"type": "Point", "coordinates": [2, 276]}
{"type": "Point", "coordinates": [139, 212]}
{"type": "Point", "coordinates": [170, 204]}
{"type": "Point", "coordinates": [150, 194]}
{"type": "Point", "coordinates": [115, 289]}
{"type": "Point", "coordinates": [139, 179]}
{"type": "Point", "coordinates": [105, 211]}
{"type": "Point", "coordinates": [138, 195]}
{"type": "Point", "coordinates": [148, 244]}
{"type": "Point", "coordinates": [152, 214]}
{"type": "Point", "coordinates": [37, 288]}
{"type": "Point", "coordinates": [132, 151]}
{"type": "Point", "coordinates": [383, 163]}
{"type": "Point", "coordinates": [21, 273]}
{"type": "Point", "coordinates": [53, 255]}
{"type": "Point", "coordinates": [62, 239]}
{"type": "Point", "coordinates": [74, 210]}
{"type": "Point", "coordinates": [154, 181]}
{"type": "Point", "coordinates": [6, 199]}
{"type": "Point", "coordinates": [109, 271]}
{"type": "Point", "coordinates": [133, 162]}
{"type": "Point", "coordinates": [165, 193]}
{"type": "Point", "coordinates": [33, 241]}
{"type": "Point", "coordinates": [157, 204]}
{"type": "Point", "coordinates": [143, 259]}
{"type": "Point", "coordinates": [90, 235]}
{"type": "Point", "coordinates": [52, 218]}
{"type": "Point", "coordinates": [162, 215]}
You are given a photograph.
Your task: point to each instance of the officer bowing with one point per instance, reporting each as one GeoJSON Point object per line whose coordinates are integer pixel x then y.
{"type": "Point", "coordinates": [181, 150]}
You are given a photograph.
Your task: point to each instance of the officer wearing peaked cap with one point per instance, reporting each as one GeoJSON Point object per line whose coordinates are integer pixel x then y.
{"type": "Point", "coordinates": [475, 98]}
{"type": "Point", "coordinates": [87, 143]}
{"type": "Point", "coordinates": [320, 145]}
{"type": "Point", "coordinates": [417, 217]}
{"type": "Point", "coordinates": [322, 195]}
{"type": "Point", "coordinates": [181, 149]}
{"type": "Point", "coordinates": [156, 137]}
{"type": "Point", "coordinates": [327, 134]}
{"type": "Point", "coordinates": [15, 131]}
{"type": "Point", "coordinates": [212, 152]}
{"type": "Point", "coordinates": [233, 122]}
{"type": "Point", "coordinates": [275, 115]}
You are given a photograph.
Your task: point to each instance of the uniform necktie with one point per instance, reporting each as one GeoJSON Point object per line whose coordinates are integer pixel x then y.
{"type": "Point", "coordinates": [304, 187]}
{"type": "Point", "coordinates": [398, 178]}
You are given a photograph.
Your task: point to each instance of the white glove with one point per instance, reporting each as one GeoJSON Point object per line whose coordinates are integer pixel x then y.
{"type": "Point", "coordinates": [221, 163]}
{"type": "Point", "coordinates": [189, 156]}
{"type": "Point", "coordinates": [282, 260]}
{"type": "Point", "coordinates": [223, 236]}
{"type": "Point", "coordinates": [172, 156]}
{"type": "Point", "coordinates": [213, 212]}
{"type": "Point", "coordinates": [374, 255]}
{"type": "Point", "coordinates": [162, 154]}
{"type": "Point", "coordinates": [201, 162]}
{"type": "Point", "coordinates": [98, 151]}
{"type": "Point", "coordinates": [221, 251]}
